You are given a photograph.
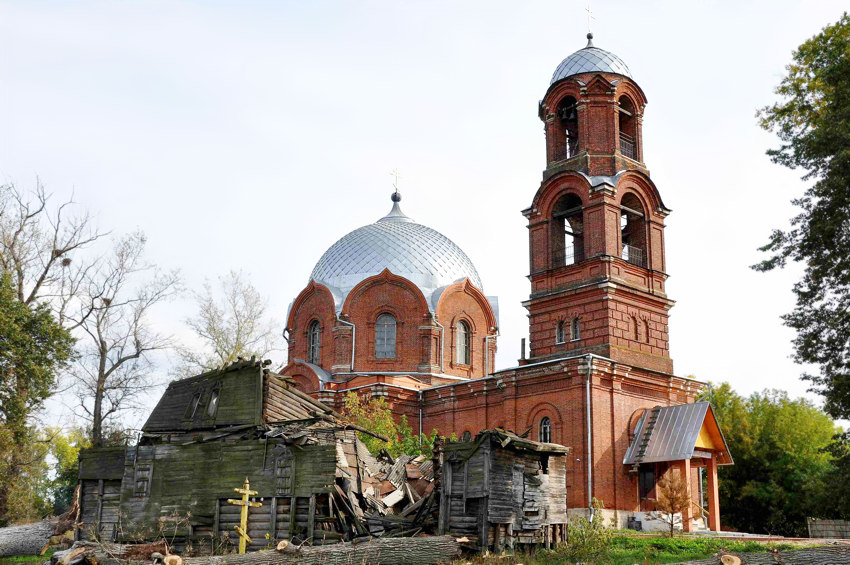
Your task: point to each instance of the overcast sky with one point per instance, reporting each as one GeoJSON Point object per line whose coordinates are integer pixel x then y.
{"type": "Point", "coordinates": [253, 135]}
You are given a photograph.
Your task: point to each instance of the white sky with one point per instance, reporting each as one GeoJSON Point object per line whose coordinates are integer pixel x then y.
{"type": "Point", "coordinates": [252, 135]}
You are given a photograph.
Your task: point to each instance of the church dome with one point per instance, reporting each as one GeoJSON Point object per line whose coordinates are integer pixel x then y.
{"type": "Point", "coordinates": [590, 60]}
{"type": "Point", "coordinates": [396, 242]}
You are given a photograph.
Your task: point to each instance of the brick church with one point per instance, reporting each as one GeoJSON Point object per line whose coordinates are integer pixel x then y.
{"type": "Point", "coordinates": [395, 309]}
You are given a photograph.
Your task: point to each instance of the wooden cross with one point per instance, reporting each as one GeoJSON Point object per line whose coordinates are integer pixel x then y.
{"type": "Point", "coordinates": [242, 528]}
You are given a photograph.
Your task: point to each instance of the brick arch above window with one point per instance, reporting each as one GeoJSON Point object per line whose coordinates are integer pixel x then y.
{"type": "Point", "coordinates": [385, 277]}
{"type": "Point", "coordinates": [637, 183]}
{"type": "Point", "coordinates": [545, 410]}
{"type": "Point", "coordinates": [312, 290]}
{"type": "Point", "coordinates": [466, 287]}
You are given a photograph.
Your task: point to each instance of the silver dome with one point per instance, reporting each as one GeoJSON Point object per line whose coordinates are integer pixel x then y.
{"type": "Point", "coordinates": [590, 60]}
{"type": "Point", "coordinates": [418, 253]}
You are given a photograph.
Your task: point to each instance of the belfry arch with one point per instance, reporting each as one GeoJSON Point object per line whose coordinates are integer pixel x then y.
{"type": "Point", "coordinates": [567, 237]}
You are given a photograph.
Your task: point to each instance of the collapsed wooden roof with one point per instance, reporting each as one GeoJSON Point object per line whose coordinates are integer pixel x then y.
{"type": "Point", "coordinates": [506, 440]}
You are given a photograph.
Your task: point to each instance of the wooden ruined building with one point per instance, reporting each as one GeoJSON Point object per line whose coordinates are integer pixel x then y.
{"type": "Point", "coordinates": [315, 479]}
{"type": "Point", "coordinates": [501, 490]}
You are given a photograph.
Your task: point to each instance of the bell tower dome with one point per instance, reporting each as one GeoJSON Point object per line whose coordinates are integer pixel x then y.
{"type": "Point", "coordinates": [596, 224]}
{"type": "Point", "coordinates": [593, 113]}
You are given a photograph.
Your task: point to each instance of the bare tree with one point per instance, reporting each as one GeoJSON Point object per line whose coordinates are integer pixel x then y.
{"type": "Point", "coordinates": [40, 245]}
{"type": "Point", "coordinates": [229, 323]}
{"type": "Point", "coordinates": [112, 308]}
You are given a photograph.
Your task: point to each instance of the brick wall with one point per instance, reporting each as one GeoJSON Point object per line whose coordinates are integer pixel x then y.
{"type": "Point", "coordinates": [518, 399]}
{"type": "Point", "coordinates": [418, 335]}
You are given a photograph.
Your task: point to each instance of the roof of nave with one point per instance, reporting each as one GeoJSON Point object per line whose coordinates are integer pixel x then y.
{"type": "Point", "coordinates": [396, 242]}
{"type": "Point", "coordinates": [590, 60]}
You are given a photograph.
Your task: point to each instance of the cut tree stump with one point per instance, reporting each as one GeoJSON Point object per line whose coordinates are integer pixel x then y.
{"type": "Point", "coordinates": [389, 551]}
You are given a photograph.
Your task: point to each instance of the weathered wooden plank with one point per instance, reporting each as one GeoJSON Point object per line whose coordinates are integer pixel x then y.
{"type": "Point", "coordinates": [311, 517]}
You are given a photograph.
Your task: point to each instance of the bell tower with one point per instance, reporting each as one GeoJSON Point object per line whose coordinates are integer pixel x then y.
{"type": "Point", "coordinates": [596, 224]}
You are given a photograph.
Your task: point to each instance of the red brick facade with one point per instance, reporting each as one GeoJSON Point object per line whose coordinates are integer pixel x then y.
{"type": "Point", "coordinates": [598, 311]}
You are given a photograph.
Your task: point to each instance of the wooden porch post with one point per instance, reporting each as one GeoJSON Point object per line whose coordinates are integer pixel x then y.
{"type": "Point", "coordinates": [713, 495]}
{"type": "Point", "coordinates": [685, 469]}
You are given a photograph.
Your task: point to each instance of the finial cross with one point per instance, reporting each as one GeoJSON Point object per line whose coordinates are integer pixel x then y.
{"type": "Point", "coordinates": [395, 174]}
{"type": "Point", "coordinates": [590, 16]}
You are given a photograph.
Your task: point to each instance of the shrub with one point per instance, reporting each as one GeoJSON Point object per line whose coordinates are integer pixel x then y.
{"type": "Point", "coordinates": [588, 539]}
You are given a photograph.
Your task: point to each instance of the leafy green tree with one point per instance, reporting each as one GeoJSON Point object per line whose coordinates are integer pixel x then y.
{"type": "Point", "coordinates": [64, 451]}
{"type": "Point", "coordinates": [33, 348]}
{"type": "Point", "coordinates": [24, 472]}
{"type": "Point", "coordinates": [812, 122]}
{"type": "Point", "coordinates": [782, 469]}
{"type": "Point", "coordinates": [375, 415]}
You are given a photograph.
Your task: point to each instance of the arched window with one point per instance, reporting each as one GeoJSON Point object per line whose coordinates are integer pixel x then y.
{"type": "Point", "coordinates": [575, 330]}
{"type": "Point", "coordinates": [567, 231]}
{"type": "Point", "coordinates": [464, 339]}
{"type": "Point", "coordinates": [314, 335]}
{"type": "Point", "coordinates": [566, 140]}
{"type": "Point", "coordinates": [646, 331]}
{"type": "Point", "coordinates": [633, 230]}
{"type": "Point", "coordinates": [466, 436]}
{"type": "Point", "coordinates": [628, 128]}
{"type": "Point", "coordinates": [545, 433]}
{"type": "Point", "coordinates": [561, 332]}
{"type": "Point", "coordinates": [635, 333]}
{"type": "Point", "coordinates": [385, 336]}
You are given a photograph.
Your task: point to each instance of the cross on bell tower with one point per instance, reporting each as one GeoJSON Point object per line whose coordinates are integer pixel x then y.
{"type": "Point", "coordinates": [596, 224]}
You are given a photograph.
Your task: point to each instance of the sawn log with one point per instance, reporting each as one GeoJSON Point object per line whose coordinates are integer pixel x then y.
{"type": "Point", "coordinates": [28, 539]}
{"type": "Point", "coordinates": [380, 551]}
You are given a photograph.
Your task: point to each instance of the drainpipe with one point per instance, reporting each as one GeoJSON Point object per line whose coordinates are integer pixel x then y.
{"type": "Point", "coordinates": [353, 335]}
{"type": "Point", "coordinates": [589, 458]}
{"type": "Point", "coordinates": [420, 419]}
{"type": "Point", "coordinates": [442, 342]}
{"type": "Point", "coordinates": [487, 339]}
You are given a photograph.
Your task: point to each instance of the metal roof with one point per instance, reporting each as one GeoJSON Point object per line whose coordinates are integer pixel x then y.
{"type": "Point", "coordinates": [321, 374]}
{"type": "Point", "coordinates": [669, 433]}
{"type": "Point", "coordinates": [590, 60]}
{"type": "Point", "coordinates": [396, 242]}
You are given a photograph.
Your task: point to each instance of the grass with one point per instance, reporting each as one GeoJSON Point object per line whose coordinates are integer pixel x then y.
{"type": "Point", "coordinates": [626, 549]}
{"type": "Point", "coordinates": [26, 558]}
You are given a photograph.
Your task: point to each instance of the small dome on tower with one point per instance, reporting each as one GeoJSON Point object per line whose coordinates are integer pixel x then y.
{"type": "Point", "coordinates": [590, 60]}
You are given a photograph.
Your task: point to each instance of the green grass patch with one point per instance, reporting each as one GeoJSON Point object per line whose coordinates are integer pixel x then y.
{"type": "Point", "coordinates": [629, 549]}
{"type": "Point", "coordinates": [26, 558]}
